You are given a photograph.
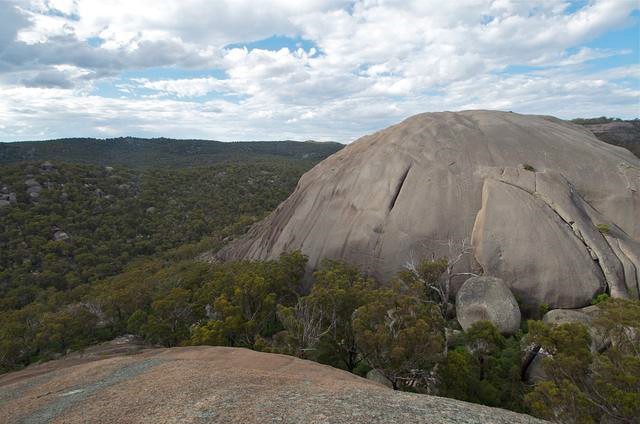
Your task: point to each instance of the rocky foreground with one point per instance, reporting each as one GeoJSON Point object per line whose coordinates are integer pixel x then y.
{"type": "Point", "coordinates": [216, 385]}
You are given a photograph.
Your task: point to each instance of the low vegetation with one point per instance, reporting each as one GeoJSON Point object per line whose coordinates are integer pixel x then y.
{"type": "Point", "coordinates": [587, 386]}
{"type": "Point", "coordinates": [346, 320]}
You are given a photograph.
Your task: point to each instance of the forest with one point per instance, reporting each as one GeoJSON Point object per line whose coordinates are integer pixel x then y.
{"type": "Point", "coordinates": [346, 320]}
{"type": "Point", "coordinates": [160, 153]}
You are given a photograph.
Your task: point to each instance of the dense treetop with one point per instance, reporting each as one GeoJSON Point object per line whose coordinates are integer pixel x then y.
{"type": "Point", "coordinates": [161, 152]}
{"type": "Point", "coordinates": [71, 224]}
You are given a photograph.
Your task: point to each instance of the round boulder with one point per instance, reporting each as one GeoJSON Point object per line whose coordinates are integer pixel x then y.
{"type": "Point", "coordinates": [566, 316]}
{"type": "Point", "coordinates": [487, 298]}
{"type": "Point", "coordinates": [582, 316]}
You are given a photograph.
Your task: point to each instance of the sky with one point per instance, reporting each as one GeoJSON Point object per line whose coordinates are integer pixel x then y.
{"type": "Point", "coordinates": [290, 69]}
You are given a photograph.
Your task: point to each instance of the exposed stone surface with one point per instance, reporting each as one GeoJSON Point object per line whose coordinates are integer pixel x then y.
{"type": "Point", "coordinates": [60, 236]}
{"type": "Point", "coordinates": [582, 316]}
{"type": "Point", "coordinates": [375, 375]}
{"type": "Point", "coordinates": [534, 371]}
{"type": "Point", "coordinates": [46, 166]}
{"type": "Point", "coordinates": [487, 299]}
{"type": "Point", "coordinates": [529, 190]}
{"type": "Point", "coordinates": [218, 385]}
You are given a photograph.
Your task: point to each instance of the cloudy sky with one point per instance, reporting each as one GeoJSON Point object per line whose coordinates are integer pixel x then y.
{"type": "Point", "coordinates": [324, 70]}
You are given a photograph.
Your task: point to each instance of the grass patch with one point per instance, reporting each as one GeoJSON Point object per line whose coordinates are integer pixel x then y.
{"type": "Point", "coordinates": [604, 228]}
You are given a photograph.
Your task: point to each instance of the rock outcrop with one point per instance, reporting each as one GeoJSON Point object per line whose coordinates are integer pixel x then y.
{"type": "Point", "coordinates": [218, 385]}
{"type": "Point", "coordinates": [549, 208]}
{"type": "Point", "coordinates": [487, 299]}
{"type": "Point", "coordinates": [533, 370]}
{"type": "Point", "coordinates": [583, 316]}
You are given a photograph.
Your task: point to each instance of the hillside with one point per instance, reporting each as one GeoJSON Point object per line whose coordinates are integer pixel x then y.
{"type": "Point", "coordinates": [64, 225]}
{"type": "Point", "coordinates": [141, 153]}
{"type": "Point", "coordinates": [614, 131]}
{"type": "Point", "coordinates": [217, 384]}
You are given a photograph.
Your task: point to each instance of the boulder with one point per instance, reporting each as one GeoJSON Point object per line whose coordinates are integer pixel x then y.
{"type": "Point", "coordinates": [4, 203]}
{"type": "Point", "coordinates": [375, 375]}
{"type": "Point", "coordinates": [527, 192]}
{"type": "Point", "coordinates": [534, 370]}
{"type": "Point", "coordinates": [46, 166]}
{"type": "Point", "coordinates": [487, 298]}
{"type": "Point", "coordinates": [582, 316]}
{"type": "Point", "coordinates": [60, 236]}
{"type": "Point", "coordinates": [566, 316]}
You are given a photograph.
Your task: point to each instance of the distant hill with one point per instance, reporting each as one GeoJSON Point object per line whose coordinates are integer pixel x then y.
{"type": "Point", "coordinates": [142, 153]}
{"type": "Point", "coordinates": [615, 131]}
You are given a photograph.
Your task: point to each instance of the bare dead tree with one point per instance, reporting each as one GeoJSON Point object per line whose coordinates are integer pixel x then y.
{"type": "Point", "coordinates": [440, 285]}
{"type": "Point", "coordinates": [306, 323]}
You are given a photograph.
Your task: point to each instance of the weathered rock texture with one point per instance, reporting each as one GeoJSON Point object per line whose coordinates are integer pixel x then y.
{"type": "Point", "coordinates": [487, 299]}
{"type": "Point", "coordinates": [219, 385]}
{"type": "Point", "coordinates": [529, 191]}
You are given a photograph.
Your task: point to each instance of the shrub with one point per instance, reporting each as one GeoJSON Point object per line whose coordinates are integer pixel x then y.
{"type": "Point", "coordinates": [600, 298]}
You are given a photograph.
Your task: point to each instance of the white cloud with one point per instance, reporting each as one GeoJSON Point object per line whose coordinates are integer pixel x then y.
{"type": "Point", "coordinates": [375, 62]}
{"type": "Point", "coordinates": [193, 87]}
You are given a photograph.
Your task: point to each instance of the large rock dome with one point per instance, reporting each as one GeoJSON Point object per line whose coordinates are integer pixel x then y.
{"type": "Point", "coordinates": [547, 207]}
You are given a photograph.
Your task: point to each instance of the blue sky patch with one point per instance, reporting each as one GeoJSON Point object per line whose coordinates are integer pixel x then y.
{"type": "Point", "coordinates": [276, 43]}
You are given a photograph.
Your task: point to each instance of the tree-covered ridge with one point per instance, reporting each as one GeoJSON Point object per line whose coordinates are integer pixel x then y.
{"type": "Point", "coordinates": [142, 153]}
{"type": "Point", "coordinates": [614, 131]}
{"type": "Point", "coordinates": [598, 120]}
{"type": "Point", "coordinates": [70, 224]}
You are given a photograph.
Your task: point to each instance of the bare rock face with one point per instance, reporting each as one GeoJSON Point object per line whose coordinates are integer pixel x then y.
{"type": "Point", "coordinates": [487, 299]}
{"type": "Point", "coordinates": [548, 208]}
{"type": "Point", "coordinates": [208, 384]}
